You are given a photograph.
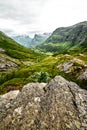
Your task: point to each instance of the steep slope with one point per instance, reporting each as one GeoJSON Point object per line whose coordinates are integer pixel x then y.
{"type": "Point", "coordinates": [65, 38]}
{"type": "Point", "coordinates": [24, 40]}
{"type": "Point", "coordinates": [38, 39]}
{"type": "Point", "coordinates": [14, 50]}
{"type": "Point", "coordinates": [13, 58]}
{"type": "Point", "coordinates": [59, 105]}
{"type": "Point", "coordinates": [34, 67]}
{"type": "Point", "coordinates": [28, 42]}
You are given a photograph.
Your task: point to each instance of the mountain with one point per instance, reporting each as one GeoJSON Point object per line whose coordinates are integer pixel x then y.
{"type": "Point", "coordinates": [65, 38]}
{"type": "Point", "coordinates": [24, 40]}
{"type": "Point", "coordinates": [15, 59]}
{"type": "Point", "coordinates": [28, 42]}
{"type": "Point", "coordinates": [13, 49]}
{"type": "Point", "coordinates": [39, 38]}
{"type": "Point", "coordinates": [59, 105]}
{"type": "Point", "coordinates": [45, 91]}
{"type": "Point", "coordinates": [20, 65]}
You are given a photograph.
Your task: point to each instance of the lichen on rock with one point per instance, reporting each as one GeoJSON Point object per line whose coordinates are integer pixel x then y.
{"type": "Point", "coordinates": [58, 105]}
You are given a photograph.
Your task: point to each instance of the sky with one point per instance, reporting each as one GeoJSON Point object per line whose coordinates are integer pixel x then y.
{"type": "Point", "coordinates": [39, 16]}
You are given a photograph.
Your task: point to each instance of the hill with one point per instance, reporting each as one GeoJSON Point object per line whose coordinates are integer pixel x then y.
{"type": "Point", "coordinates": [20, 65]}
{"type": "Point", "coordinates": [65, 38]}
{"type": "Point", "coordinates": [14, 50]}
{"type": "Point", "coordinates": [14, 57]}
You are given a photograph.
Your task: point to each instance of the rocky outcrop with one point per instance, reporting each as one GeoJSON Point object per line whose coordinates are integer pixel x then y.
{"type": "Point", "coordinates": [58, 105]}
{"type": "Point", "coordinates": [7, 64]}
{"type": "Point", "coordinates": [72, 65]}
{"type": "Point", "coordinates": [83, 76]}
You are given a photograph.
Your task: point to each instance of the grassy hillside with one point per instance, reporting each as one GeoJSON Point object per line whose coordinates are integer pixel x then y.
{"type": "Point", "coordinates": [19, 65]}
{"type": "Point", "coordinates": [65, 38]}
{"type": "Point", "coordinates": [14, 57]}
{"type": "Point", "coordinates": [45, 70]}
{"type": "Point", "coordinates": [14, 50]}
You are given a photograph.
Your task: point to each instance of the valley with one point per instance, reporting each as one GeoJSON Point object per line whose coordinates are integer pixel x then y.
{"type": "Point", "coordinates": [44, 87]}
{"type": "Point", "coordinates": [20, 65]}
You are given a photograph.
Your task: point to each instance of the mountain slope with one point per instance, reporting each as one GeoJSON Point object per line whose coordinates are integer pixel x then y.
{"type": "Point", "coordinates": [24, 40]}
{"type": "Point", "coordinates": [38, 39]}
{"type": "Point", "coordinates": [66, 37]}
{"type": "Point", "coordinates": [13, 49]}
{"type": "Point", "coordinates": [33, 67]}
{"type": "Point", "coordinates": [14, 61]}
{"type": "Point", "coordinates": [28, 42]}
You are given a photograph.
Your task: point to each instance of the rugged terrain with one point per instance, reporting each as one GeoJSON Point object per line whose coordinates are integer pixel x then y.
{"type": "Point", "coordinates": [29, 42]}
{"type": "Point", "coordinates": [67, 39]}
{"type": "Point", "coordinates": [39, 39]}
{"type": "Point", "coordinates": [45, 91]}
{"type": "Point", "coordinates": [24, 40]}
{"type": "Point", "coordinates": [13, 57]}
{"type": "Point", "coordinates": [19, 66]}
{"type": "Point", "coordinates": [58, 105]}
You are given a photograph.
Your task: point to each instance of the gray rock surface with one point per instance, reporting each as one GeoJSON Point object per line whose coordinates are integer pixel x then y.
{"type": "Point", "coordinates": [83, 76]}
{"type": "Point", "coordinates": [58, 105]}
{"type": "Point", "coordinates": [6, 64]}
{"type": "Point", "coordinates": [72, 65]}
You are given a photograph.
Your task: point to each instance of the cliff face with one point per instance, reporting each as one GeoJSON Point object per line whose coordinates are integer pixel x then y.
{"type": "Point", "coordinates": [59, 105]}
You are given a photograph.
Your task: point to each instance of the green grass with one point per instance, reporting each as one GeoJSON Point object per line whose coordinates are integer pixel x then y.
{"type": "Point", "coordinates": [44, 67]}
{"type": "Point", "coordinates": [54, 47]}
{"type": "Point", "coordinates": [48, 65]}
{"type": "Point", "coordinates": [15, 50]}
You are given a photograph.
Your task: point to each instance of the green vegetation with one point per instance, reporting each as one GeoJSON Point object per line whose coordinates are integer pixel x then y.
{"type": "Point", "coordinates": [46, 61]}
{"type": "Point", "coordinates": [15, 50]}
{"type": "Point", "coordinates": [42, 71]}
{"type": "Point", "coordinates": [51, 47]}
{"type": "Point", "coordinates": [65, 39]}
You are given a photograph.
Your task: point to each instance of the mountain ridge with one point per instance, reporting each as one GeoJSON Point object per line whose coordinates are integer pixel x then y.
{"type": "Point", "coordinates": [29, 42]}
{"type": "Point", "coordinates": [66, 38]}
{"type": "Point", "coordinates": [20, 65]}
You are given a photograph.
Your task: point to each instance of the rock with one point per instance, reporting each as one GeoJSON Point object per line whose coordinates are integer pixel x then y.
{"type": "Point", "coordinates": [6, 98]}
{"type": "Point", "coordinates": [6, 65]}
{"type": "Point", "coordinates": [83, 76]}
{"type": "Point", "coordinates": [10, 95]}
{"type": "Point", "coordinates": [72, 65]}
{"type": "Point", "coordinates": [2, 50]}
{"type": "Point", "coordinates": [66, 67]}
{"type": "Point", "coordinates": [58, 105]}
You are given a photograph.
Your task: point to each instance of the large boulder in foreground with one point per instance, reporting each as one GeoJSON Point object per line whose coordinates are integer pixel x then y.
{"type": "Point", "coordinates": [59, 105]}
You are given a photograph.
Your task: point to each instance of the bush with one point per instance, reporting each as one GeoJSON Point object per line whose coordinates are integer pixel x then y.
{"type": "Point", "coordinates": [39, 77]}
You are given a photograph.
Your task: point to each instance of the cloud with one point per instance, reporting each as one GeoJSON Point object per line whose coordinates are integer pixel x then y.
{"type": "Point", "coordinates": [22, 16]}
{"type": "Point", "coordinates": [23, 10]}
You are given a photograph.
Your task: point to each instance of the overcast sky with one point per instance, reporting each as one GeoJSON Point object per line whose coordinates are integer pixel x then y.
{"type": "Point", "coordinates": [38, 16]}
